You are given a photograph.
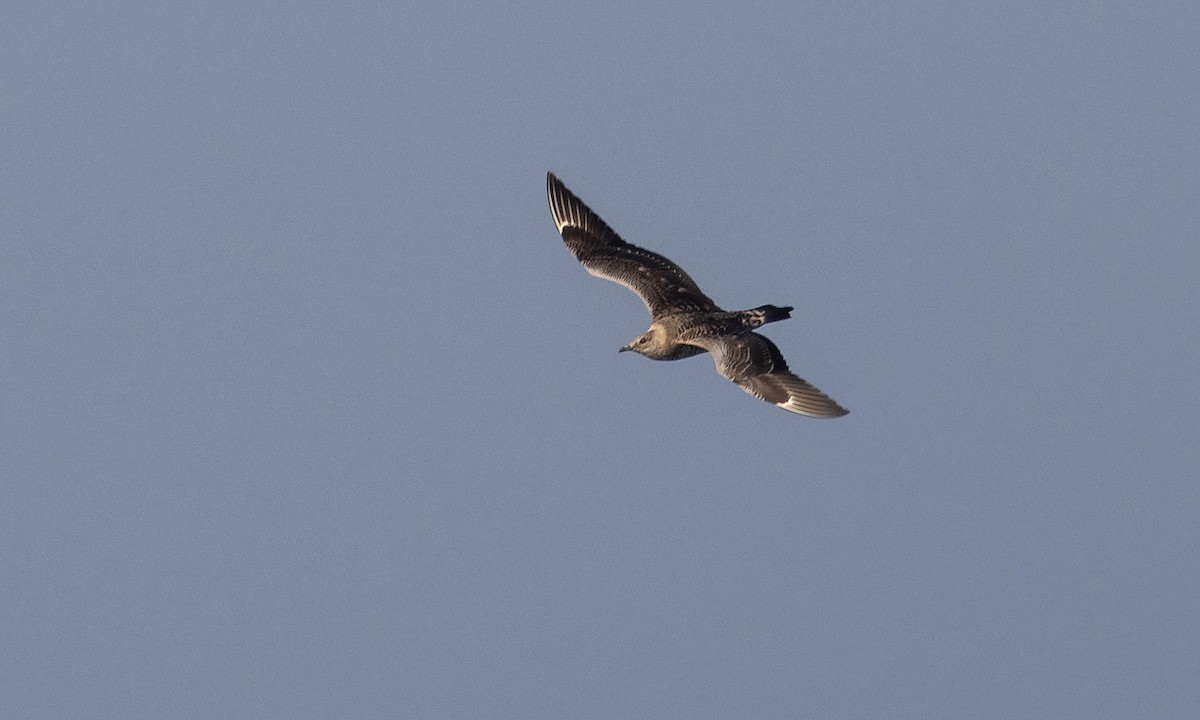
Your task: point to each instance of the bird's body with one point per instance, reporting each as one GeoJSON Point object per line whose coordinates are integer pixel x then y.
{"type": "Point", "coordinates": [674, 336]}
{"type": "Point", "coordinates": [684, 321]}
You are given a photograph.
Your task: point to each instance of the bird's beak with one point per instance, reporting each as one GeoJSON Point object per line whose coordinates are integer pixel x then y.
{"type": "Point", "coordinates": [627, 347]}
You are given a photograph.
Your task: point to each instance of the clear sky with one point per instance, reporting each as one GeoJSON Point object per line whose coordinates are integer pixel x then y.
{"type": "Point", "coordinates": [305, 410]}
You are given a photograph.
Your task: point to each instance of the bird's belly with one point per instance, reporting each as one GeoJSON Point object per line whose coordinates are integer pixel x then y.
{"type": "Point", "coordinates": [681, 351]}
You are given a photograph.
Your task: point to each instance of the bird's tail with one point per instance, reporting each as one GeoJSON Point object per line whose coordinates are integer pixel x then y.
{"type": "Point", "coordinates": [764, 314]}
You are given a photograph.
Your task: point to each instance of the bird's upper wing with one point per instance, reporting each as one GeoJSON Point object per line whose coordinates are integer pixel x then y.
{"type": "Point", "coordinates": [662, 285]}
{"type": "Point", "coordinates": [753, 362]}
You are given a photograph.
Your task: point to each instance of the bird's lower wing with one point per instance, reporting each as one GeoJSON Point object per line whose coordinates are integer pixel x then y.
{"type": "Point", "coordinates": [756, 365]}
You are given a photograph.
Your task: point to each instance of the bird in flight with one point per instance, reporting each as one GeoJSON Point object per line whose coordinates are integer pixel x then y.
{"type": "Point", "coordinates": [683, 320]}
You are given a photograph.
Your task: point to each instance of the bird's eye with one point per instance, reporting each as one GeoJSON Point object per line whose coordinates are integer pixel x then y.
{"type": "Point", "coordinates": [641, 341]}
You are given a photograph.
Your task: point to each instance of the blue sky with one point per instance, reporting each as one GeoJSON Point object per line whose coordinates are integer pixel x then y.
{"type": "Point", "coordinates": [307, 412]}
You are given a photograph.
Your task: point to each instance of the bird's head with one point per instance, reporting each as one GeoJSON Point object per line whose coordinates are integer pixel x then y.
{"type": "Point", "coordinates": [649, 343]}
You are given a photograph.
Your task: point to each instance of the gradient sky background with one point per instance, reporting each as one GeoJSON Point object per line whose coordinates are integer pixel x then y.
{"type": "Point", "coordinates": [307, 411]}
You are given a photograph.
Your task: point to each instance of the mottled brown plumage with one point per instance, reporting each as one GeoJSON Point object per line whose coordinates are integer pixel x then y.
{"type": "Point", "coordinates": [684, 321]}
